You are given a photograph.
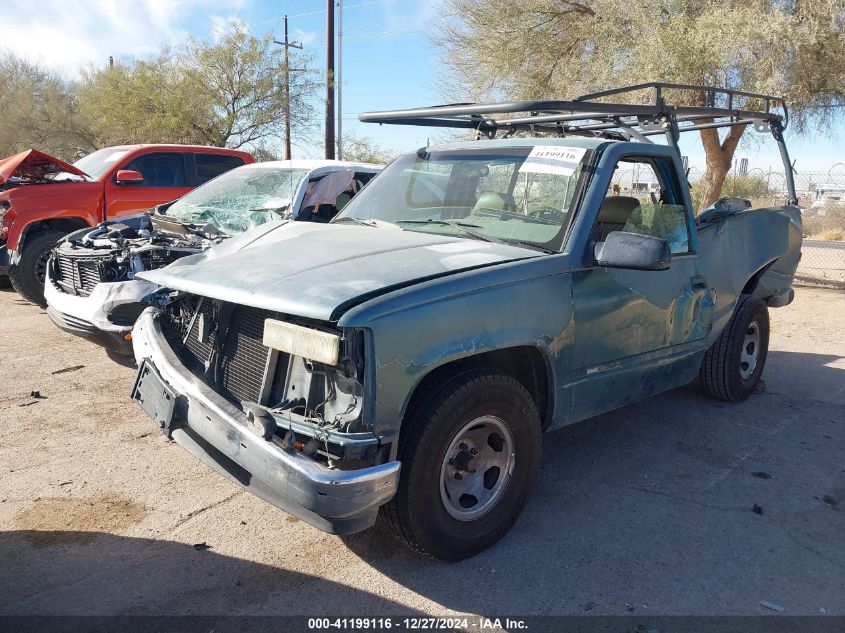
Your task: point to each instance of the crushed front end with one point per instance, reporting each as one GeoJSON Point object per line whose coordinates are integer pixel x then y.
{"type": "Point", "coordinates": [90, 288]}
{"type": "Point", "coordinates": [235, 386]}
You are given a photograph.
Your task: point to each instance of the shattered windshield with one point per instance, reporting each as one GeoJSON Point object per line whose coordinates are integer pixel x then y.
{"type": "Point", "coordinates": [240, 199]}
{"type": "Point", "coordinates": [518, 195]}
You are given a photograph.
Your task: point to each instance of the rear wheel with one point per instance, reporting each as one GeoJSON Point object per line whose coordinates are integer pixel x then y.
{"type": "Point", "coordinates": [28, 274]}
{"type": "Point", "coordinates": [470, 457]}
{"type": "Point", "coordinates": [733, 365]}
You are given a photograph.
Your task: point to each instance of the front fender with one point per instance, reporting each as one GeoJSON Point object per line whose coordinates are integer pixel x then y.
{"type": "Point", "coordinates": [18, 231]}
{"type": "Point", "coordinates": [407, 343]}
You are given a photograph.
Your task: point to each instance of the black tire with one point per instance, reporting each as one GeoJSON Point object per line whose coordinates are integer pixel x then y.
{"type": "Point", "coordinates": [725, 373]}
{"type": "Point", "coordinates": [27, 275]}
{"type": "Point", "coordinates": [418, 514]}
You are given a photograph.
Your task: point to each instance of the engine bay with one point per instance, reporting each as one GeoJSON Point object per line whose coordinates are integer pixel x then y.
{"type": "Point", "coordinates": [117, 251]}
{"type": "Point", "coordinates": [221, 343]}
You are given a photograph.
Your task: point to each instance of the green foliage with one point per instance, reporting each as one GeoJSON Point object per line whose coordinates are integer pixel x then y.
{"type": "Point", "coordinates": [363, 150]}
{"type": "Point", "coordinates": [226, 93]}
{"type": "Point", "coordinates": [750, 187]}
{"type": "Point", "coordinates": [39, 109]}
{"type": "Point", "coordinates": [526, 49]}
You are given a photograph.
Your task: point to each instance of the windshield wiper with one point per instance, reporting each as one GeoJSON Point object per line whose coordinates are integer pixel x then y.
{"type": "Point", "coordinates": [464, 227]}
{"type": "Point", "coordinates": [531, 245]}
{"type": "Point", "coordinates": [467, 229]}
{"type": "Point", "coordinates": [378, 224]}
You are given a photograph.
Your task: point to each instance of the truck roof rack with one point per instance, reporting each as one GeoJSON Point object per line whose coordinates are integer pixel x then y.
{"type": "Point", "coordinates": [591, 115]}
{"type": "Point", "coordinates": [586, 115]}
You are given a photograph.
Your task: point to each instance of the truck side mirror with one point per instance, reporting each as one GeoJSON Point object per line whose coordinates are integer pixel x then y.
{"type": "Point", "coordinates": [128, 177]}
{"type": "Point", "coordinates": [633, 251]}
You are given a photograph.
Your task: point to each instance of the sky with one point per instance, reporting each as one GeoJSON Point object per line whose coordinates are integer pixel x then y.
{"type": "Point", "coordinates": [388, 60]}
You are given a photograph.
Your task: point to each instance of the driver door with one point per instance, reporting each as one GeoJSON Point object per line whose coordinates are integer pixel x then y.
{"type": "Point", "coordinates": [164, 180]}
{"type": "Point", "coordinates": [639, 332]}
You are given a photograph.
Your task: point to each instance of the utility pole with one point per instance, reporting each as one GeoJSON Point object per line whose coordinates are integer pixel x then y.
{"type": "Point", "coordinates": [340, 79]}
{"type": "Point", "coordinates": [330, 111]}
{"type": "Point", "coordinates": [287, 45]}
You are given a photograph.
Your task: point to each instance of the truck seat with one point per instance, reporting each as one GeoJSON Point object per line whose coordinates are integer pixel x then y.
{"type": "Point", "coordinates": [494, 201]}
{"type": "Point", "coordinates": [613, 215]}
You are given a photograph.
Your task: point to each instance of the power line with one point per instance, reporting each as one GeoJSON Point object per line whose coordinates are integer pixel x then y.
{"type": "Point", "coordinates": [365, 36]}
{"type": "Point", "coordinates": [362, 36]}
{"type": "Point", "coordinates": [389, 23]}
{"type": "Point", "coordinates": [321, 11]}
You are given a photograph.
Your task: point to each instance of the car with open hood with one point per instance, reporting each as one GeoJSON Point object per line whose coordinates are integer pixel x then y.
{"type": "Point", "coordinates": [43, 198]}
{"type": "Point", "coordinates": [406, 358]}
{"type": "Point", "coordinates": [92, 289]}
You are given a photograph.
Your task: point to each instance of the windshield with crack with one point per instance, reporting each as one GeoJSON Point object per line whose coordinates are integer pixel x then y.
{"type": "Point", "coordinates": [519, 195]}
{"type": "Point", "coordinates": [240, 199]}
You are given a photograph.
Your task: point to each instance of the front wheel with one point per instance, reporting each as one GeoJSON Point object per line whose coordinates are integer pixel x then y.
{"type": "Point", "coordinates": [29, 273]}
{"type": "Point", "coordinates": [470, 457]}
{"type": "Point", "coordinates": [733, 365]}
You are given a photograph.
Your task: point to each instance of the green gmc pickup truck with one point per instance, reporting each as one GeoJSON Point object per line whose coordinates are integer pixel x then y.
{"type": "Point", "coordinates": [405, 360]}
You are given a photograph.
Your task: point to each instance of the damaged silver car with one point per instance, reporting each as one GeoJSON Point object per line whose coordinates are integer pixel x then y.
{"type": "Point", "coordinates": [91, 287]}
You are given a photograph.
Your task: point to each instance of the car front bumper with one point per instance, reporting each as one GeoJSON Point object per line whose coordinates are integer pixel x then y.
{"type": "Point", "coordinates": [113, 341]}
{"type": "Point", "coordinates": [215, 431]}
{"type": "Point", "coordinates": [88, 317]}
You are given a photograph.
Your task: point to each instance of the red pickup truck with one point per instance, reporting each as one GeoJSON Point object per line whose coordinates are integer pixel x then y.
{"type": "Point", "coordinates": [44, 198]}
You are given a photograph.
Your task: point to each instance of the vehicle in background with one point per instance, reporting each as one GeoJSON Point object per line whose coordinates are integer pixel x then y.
{"type": "Point", "coordinates": [91, 289]}
{"type": "Point", "coordinates": [46, 198]}
{"type": "Point", "coordinates": [406, 358]}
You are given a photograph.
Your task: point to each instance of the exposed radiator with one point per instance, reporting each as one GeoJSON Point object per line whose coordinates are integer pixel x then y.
{"type": "Point", "coordinates": [79, 275]}
{"type": "Point", "coordinates": [242, 356]}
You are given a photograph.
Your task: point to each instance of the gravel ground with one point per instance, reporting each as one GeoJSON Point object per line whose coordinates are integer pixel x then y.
{"type": "Point", "coordinates": [649, 509]}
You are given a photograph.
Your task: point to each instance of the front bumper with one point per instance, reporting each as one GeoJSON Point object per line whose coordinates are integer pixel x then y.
{"type": "Point", "coordinates": [88, 317]}
{"type": "Point", "coordinates": [215, 431]}
{"type": "Point", "coordinates": [113, 341]}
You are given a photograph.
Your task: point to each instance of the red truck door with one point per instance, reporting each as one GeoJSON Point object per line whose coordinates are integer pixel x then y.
{"type": "Point", "coordinates": [165, 178]}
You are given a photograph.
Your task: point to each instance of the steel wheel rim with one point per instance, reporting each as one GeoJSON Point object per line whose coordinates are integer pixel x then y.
{"type": "Point", "coordinates": [750, 351]}
{"type": "Point", "coordinates": [476, 468]}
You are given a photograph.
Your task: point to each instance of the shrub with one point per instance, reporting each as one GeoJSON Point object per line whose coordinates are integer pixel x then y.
{"type": "Point", "coordinates": [832, 234]}
{"type": "Point", "coordinates": [752, 188]}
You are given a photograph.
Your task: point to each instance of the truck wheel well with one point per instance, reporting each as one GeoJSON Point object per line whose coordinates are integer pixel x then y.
{"type": "Point", "coordinates": [751, 284]}
{"type": "Point", "coordinates": [525, 363]}
{"type": "Point", "coordinates": [65, 225]}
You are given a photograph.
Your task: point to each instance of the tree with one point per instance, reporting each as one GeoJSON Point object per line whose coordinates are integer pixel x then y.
{"type": "Point", "coordinates": [363, 150]}
{"type": "Point", "coordinates": [226, 93]}
{"type": "Point", "coordinates": [39, 109]}
{"type": "Point", "coordinates": [524, 49]}
{"type": "Point", "coordinates": [750, 187]}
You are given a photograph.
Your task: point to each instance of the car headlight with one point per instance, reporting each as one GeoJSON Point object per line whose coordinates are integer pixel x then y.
{"type": "Point", "coordinates": [322, 347]}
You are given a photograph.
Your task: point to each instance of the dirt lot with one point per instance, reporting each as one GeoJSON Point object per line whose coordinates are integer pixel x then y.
{"type": "Point", "coordinates": [648, 509]}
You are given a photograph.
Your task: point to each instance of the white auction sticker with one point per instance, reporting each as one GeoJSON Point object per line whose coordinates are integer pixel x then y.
{"type": "Point", "coordinates": [553, 159]}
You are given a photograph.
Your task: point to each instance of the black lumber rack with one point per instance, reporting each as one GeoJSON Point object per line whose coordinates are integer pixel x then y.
{"type": "Point", "coordinates": [588, 116]}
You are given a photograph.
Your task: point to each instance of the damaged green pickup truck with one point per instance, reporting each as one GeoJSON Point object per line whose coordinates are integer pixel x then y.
{"type": "Point", "coordinates": [405, 359]}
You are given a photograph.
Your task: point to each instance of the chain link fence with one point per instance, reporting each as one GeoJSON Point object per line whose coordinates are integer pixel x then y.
{"type": "Point", "coordinates": [821, 198]}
